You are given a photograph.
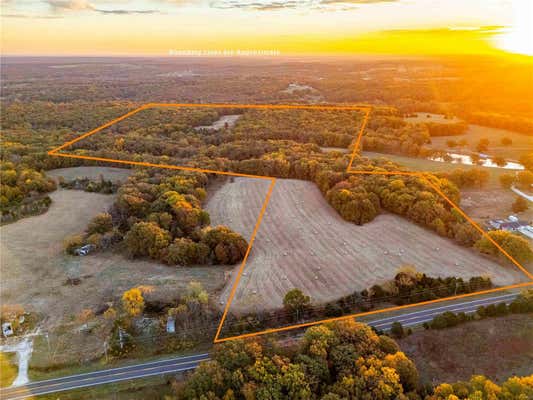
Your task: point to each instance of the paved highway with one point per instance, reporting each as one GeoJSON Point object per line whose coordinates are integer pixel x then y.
{"type": "Point", "coordinates": [419, 317]}
{"type": "Point", "coordinates": [179, 364]}
{"type": "Point", "coordinates": [101, 377]}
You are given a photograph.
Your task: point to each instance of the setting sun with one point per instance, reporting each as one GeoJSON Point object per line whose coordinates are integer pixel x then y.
{"type": "Point", "coordinates": [518, 38]}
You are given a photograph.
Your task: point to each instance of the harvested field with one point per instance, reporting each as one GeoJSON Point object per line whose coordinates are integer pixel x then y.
{"type": "Point", "coordinates": [497, 348]}
{"type": "Point", "coordinates": [302, 242]}
{"type": "Point", "coordinates": [110, 173]}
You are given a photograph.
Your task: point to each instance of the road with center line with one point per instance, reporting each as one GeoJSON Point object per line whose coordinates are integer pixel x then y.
{"type": "Point", "coordinates": [180, 364]}
{"type": "Point", "coordinates": [101, 377]}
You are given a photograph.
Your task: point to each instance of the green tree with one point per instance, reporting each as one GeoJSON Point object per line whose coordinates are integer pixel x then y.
{"type": "Point", "coordinates": [516, 246]}
{"type": "Point", "coordinates": [397, 330]}
{"type": "Point", "coordinates": [295, 301]}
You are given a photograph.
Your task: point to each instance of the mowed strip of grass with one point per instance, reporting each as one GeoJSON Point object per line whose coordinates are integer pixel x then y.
{"type": "Point", "coordinates": [8, 368]}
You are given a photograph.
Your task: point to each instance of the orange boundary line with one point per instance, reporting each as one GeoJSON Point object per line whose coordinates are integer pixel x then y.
{"type": "Point", "coordinates": [367, 110]}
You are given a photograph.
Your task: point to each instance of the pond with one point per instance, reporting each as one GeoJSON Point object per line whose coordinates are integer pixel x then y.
{"type": "Point", "coordinates": [483, 162]}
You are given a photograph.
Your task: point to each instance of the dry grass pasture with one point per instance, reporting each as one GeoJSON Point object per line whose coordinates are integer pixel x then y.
{"type": "Point", "coordinates": [497, 348]}
{"type": "Point", "coordinates": [35, 269]}
{"type": "Point", "coordinates": [112, 174]}
{"type": "Point", "coordinates": [430, 117]}
{"type": "Point", "coordinates": [302, 242]}
{"type": "Point", "coordinates": [522, 143]}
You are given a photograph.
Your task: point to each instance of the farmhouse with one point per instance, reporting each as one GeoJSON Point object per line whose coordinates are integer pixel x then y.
{"type": "Point", "coordinates": [512, 224]}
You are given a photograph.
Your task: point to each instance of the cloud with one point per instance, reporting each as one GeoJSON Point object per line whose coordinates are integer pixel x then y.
{"type": "Point", "coordinates": [357, 1]}
{"type": "Point", "coordinates": [70, 5]}
{"type": "Point", "coordinates": [272, 5]}
{"type": "Point", "coordinates": [261, 5]}
{"type": "Point", "coordinates": [31, 16]}
{"type": "Point", "coordinates": [126, 12]}
{"type": "Point", "coordinates": [59, 6]}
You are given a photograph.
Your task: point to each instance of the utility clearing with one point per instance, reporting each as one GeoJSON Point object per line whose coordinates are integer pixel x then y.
{"type": "Point", "coordinates": [303, 243]}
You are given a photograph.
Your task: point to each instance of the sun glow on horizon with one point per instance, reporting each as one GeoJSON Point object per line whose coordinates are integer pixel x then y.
{"type": "Point", "coordinates": [518, 38]}
{"type": "Point", "coordinates": [395, 27]}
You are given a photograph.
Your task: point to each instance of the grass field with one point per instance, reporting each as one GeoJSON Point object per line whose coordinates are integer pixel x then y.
{"type": "Point", "coordinates": [35, 271]}
{"type": "Point", "coordinates": [302, 242]}
{"type": "Point", "coordinates": [429, 117]}
{"type": "Point", "coordinates": [497, 348]}
{"type": "Point", "coordinates": [115, 175]}
{"type": "Point", "coordinates": [8, 368]}
{"type": "Point", "coordinates": [522, 143]}
{"type": "Point", "coordinates": [424, 165]}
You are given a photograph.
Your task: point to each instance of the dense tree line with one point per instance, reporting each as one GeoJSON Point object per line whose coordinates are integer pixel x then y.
{"type": "Point", "coordinates": [451, 129]}
{"type": "Point", "coordinates": [161, 216]}
{"type": "Point", "coordinates": [342, 360]}
{"type": "Point", "coordinates": [100, 185]}
{"type": "Point", "coordinates": [389, 133]}
{"type": "Point", "coordinates": [23, 191]}
{"type": "Point", "coordinates": [407, 287]}
{"type": "Point", "coordinates": [521, 305]}
{"type": "Point", "coordinates": [509, 122]}
{"type": "Point", "coordinates": [516, 246]}
{"type": "Point", "coordinates": [467, 178]}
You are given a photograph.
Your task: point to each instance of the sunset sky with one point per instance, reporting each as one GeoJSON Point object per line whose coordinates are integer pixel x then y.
{"type": "Point", "coordinates": [154, 27]}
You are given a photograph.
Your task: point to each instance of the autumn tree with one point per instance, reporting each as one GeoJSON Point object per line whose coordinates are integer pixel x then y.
{"type": "Point", "coordinates": [516, 246]}
{"type": "Point", "coordinates": [133, 302]}
{"type": "Point", "coordinates": [483, 145]}
{"type": "Point", "coordinates": [527, 161]}
{"type": "Point", "coordinates": [507, 180]}
{"type": "Point", "coordinates": [102, 223]}
{"type": "Point", "coordinates": [520, 204]}
{"type": "Point", "coordinates": [228, 247]}
{"type": "Point", "coordinates": [146, 239]}
{"type": "Point", "coordinates": [184, 251]}
{"type": "Point", "coordinates": [506, 141]}
{"type": "Point", "coordinates": [499, 161]}
{"type": "Point", "coordinates": [525, 179]}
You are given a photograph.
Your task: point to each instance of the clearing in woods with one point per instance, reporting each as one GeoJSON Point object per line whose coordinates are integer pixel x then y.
{"type": "Point", "coordinates": [304, 243]}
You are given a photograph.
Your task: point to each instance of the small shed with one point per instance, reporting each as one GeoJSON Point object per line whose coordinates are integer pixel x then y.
{"type": "Point", "coordinates": [171, 324]}
{"type": "Point", "coordinates": [7, 329]}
